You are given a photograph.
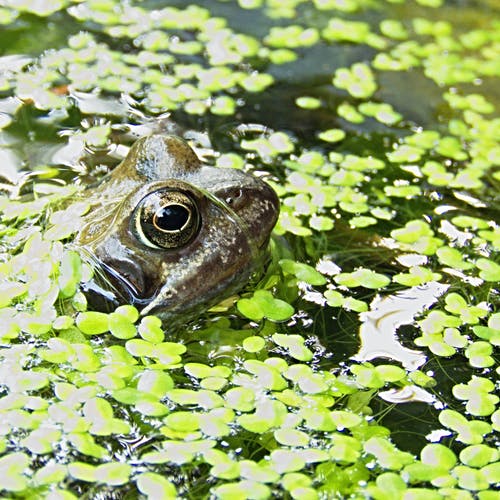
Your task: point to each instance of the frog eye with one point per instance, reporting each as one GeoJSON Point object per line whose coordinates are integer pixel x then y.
{"type": "Point", "coordinates": [166, 219]}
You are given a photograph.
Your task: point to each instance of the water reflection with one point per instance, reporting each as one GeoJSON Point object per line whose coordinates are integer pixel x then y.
{"type": "Point", "coordinates": [378, 330]}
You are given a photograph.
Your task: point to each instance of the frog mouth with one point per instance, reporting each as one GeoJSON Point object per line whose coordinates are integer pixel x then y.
{"type": "Point", "coordinates": [108, 287]}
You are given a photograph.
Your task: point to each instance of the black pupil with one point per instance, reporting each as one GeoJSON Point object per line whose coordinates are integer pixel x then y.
{"type": "Point", "coordinates": [171, 217]}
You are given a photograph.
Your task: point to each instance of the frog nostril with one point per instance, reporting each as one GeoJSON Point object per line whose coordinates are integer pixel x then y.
{"type": "Point", "coordinates": [234, 197]}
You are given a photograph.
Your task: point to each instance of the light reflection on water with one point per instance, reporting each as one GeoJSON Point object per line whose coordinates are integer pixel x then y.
{"type": "Point", "coordinates": [378, 330]}
{"type": "Point", "coordinates": [407, 394]}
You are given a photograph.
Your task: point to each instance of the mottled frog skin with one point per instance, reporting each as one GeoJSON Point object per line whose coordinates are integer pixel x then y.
{"type": "Point", "coordinates": [171, 235]}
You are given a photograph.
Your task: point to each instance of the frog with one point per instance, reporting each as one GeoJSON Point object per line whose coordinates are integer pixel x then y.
{"type": "Point", "coordinates": [171, 235]}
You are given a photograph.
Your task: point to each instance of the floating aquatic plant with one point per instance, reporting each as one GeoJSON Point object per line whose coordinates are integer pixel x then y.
{"type": "Point", "coordinates": [378, 208]}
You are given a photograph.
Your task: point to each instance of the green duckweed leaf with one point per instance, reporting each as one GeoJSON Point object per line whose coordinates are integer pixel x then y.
{"type": "Point", "coordinates": [230, 160]}
{"type": "Point", "coordinates": [291, 36]}
{"type": "Point", "coordinates": [150, 329]}
{"type": "Point", "coordinates": [222, 466]}
{"type": "Point", "coordinates": [417, 275]}
{"type": "Point", "coordinates": [479, 354]}
{"type": "Point", "coordinates": [264, 305]}
{"type": "Point", "coordinates": [9, 291]}
{"type": "Point", "coordinates": [139, 347]}
{"type": "Point", "coordinates": [405, 153]}
{"type": "Point", "coordinates": [113, 473]}
{"type": "Point", "coordinates": [489, 270]}
{"type": "Point", "coordinates": [92, 323]}
{"type": "Point", "coordinates": [362, 277]}
{"type": "Point", "coordinates": [393, 29]}
{"type": "Point", "coordinates": [402, 190]}
{"type": "Point", "coordinates": [183, 421]}
{"type": "Point", "coordinates": [213, 426]}
{"type": "Point", "coordinates": [468, 432]}
{"type": "Point", "coordinates": [265, 374]}
{"type": "Point", "coordinates": [358, 80]}
{"type": "Point", "coordinates": [155, 382]}
{"type": "Point", "coordinates": [350, 113]}
{"type": "Point", "coordinates": [390, 483]}
{"type": "Point", "coordinates": [491, 472]}
{"type": "Point", "coordinates": [268, 414]}
{"type": "Point", "coordinates": [344, 448]}
{"type": "Point", "coordinates": [477, 394]}
{"type": "Point", "coordinates": [382, 112]}
{"type": "Point", "coordinates": [332, 135]}
{"type": "Point", "coordinates": [352, 304]}
{"type": "Point", "coordinates": [295, 346]}
{"type": "Point", "coordinates": [256, 82]}
{"type": "Point", "coordinates": [70, 273]}
{"type": "Point", "coordinates": [291, 437]}
{"type": "Point", "coordinates": [451, 147]}
{"type": "Point", "coordinates": [419, 472]}
{"type": "Point", "coordinates": [308, 102]}
{"type": "Point", "coordinates": [223, 105]}
{"type": "Point", "coordinates": [437, 174]}
{"type": "Point", "coordinates": [436, 321]}
{"type": "Point", "coordinates": [341, 30]}
{"type": "Point", "coordinates": [258, 472]}
{"type": "Point", "coordinates": [470, 479]}
{"type": "Point", "coordinates": [452, 257]}
{"type": "Point", "coordinates": [282, 56]}
{"type": "Point", "coordinates": [453, 338]}
{"type": "Point", "coordinates": [201, 371]}
{"type": "Point", "coordinates": [387, 455]}
{"type": "Point", "coordinates": [82, 471]}
{"type": "Point", "coordinates": [294, 480]}
{"type": "Point", "coordinates": [167, 353]}
{"type": "Point", "coordinates": [176, 452]}
{"type": "Point", "coordinates": [286, 461]}
{"type": "Point", "coordinates": [478, 455]}
{"type": "Point", "coordinates": [242, 489]}
{"type": "Point", "coordinates": [240, 398]}
{"type": "Point", "coordinates": [155, 486]}
{"type": "Point", "coordinates": [345, 419]}
{"type": "Point", "coordinates": [59, 351]}
{"type": "Point", "coordinates": [492, 335]}
{"type": "Point", "coordinates": [254, 344]}
{"type": "Point", "coordinates": [120, 326]}
{"type": "Point", "coordinates": [466, 221]}
{"type": "Point", "coordinates": [321, 223]}
{"type": "Point", "coordinates": [362, 221]}
{"type": "Point", "coordinates": [437, 455]}
{"type": "Point", "coordinates": [203, 398]}
{"type": "Point", "coordinates": [50, 474]}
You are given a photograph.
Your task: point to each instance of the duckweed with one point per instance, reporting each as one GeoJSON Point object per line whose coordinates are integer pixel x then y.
{"type": "Point", "coordinates": [332, 135]}
{"type": "Point", "coordinates": [379, 195]}
{"type": "Point", "coordinates": [359, 80]}
{"type": "Point", "coordinates": [307, 102]}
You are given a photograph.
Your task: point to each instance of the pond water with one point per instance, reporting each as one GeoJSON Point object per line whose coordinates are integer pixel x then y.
{"type": "Point", "coordinates": [363, 363]}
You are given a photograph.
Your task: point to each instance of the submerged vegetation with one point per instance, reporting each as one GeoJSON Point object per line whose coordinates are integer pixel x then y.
{"type": "Point", "coordinates": [363, 364]}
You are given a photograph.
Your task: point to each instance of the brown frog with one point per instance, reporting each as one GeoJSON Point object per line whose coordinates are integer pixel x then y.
{"type": "Point", "coordinates": [171, 235]}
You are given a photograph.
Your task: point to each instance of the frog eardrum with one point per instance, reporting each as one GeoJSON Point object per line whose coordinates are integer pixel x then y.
{"type": "Point", "coordinates": [166, 219]}
{"type": "Point", "coordinates": [173, 236]}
